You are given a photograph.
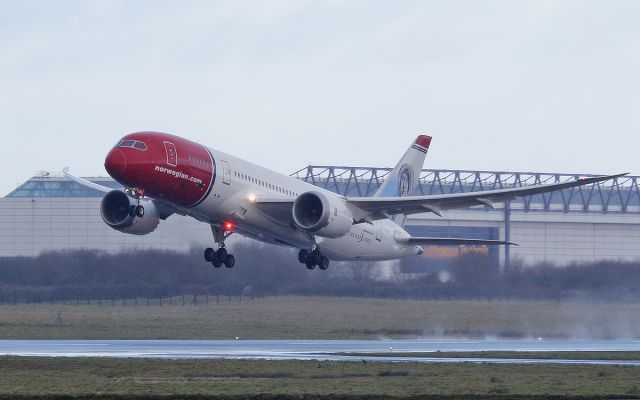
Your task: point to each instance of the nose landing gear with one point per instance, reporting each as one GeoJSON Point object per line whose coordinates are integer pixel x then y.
{"type": "Point", "coordinates": [313, 259]}
{"type": "Point", "coordinates": [220, 256]}
{"type": "Point", "coordinates": [137, 210]}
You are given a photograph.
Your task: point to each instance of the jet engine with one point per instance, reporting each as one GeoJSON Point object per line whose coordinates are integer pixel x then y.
{"type": "Point", "coordinates": [322, 215]}
{"type": "Point", "coordinates": [119, 212]}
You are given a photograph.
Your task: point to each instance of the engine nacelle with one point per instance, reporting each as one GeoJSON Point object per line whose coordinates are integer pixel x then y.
{"type": "Point", "coordinates": [322, 215]}
{"type": "Point", "coordinates": [115, 213]}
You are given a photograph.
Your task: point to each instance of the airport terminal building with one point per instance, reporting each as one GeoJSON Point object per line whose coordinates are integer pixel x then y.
{"type": "Point", "coordinates": [591, 223]}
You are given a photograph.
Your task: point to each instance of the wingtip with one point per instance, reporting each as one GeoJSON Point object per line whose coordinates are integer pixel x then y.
{"type": "Point", "coordinates": [603, 178]}
{"type": "Point", "coordinates": [65, 170]}
{"type": "Point", "coordinates": [617, 175]}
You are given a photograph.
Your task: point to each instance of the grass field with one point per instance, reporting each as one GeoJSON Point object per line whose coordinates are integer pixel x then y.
{"type": "Point", "coordinates": [246, 378]}
{"type": "Point", "coordinates": [547, 355]}
{"type": "Point", "coordinates": [321, 318]}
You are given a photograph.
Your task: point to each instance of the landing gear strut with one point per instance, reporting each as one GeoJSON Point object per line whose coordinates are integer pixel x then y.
{"type": "Point", "coordinates": [220, 256]}
{"type": "Point", "coordinates": [313, 258]}
{"type": "Point", "coordinates": [137, 210]}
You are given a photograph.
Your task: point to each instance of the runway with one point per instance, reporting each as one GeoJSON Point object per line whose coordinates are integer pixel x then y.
{"type": "Point", "coordinates": [325, 350]}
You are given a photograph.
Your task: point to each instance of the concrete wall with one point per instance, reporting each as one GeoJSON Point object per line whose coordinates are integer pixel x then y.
{"type": "Point", "coordinates": [31, 226]}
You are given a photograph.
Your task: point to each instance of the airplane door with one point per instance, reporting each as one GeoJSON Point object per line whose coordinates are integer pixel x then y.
{"type": "Point", "coordinates": [226, 173]}
{"type": "Point", "coordinates": [379, 234]}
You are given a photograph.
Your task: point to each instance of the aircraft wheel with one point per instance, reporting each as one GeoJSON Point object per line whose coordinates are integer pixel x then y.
{"type": "Point", "coordinates": [310, 263]}
{"type": "Point", "coordinates": [221, 254]}
{"type": "Point", "coordinates": [323, 263]}
{"type": "Point", "coordinates": [303, 256]}
{"type": "Point", "coordinates": [209, 254]}
{"type": "Point", "coordinates": [139, 211]}
{"type": "Point", "coordinates": [132, 211]}
{"type": "Point", "coordinates": [230, 261]}
{"type": "Point", "coordinates": [216, 262]}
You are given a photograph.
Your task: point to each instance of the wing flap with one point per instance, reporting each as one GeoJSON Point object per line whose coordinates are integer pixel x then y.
{"type": "Point", "coordinates": [278, 209]}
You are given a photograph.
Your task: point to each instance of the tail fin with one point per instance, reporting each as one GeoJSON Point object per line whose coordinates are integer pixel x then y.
{"type": "Point", "coordinates": [403, 179]}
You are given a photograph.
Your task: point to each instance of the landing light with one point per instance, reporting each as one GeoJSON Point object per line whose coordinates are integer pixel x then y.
{"type": "Point", "coordinates": [252, 198]}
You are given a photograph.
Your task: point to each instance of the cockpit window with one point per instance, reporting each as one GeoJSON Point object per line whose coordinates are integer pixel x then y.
{"type": "Point", "coordinates": [136, 144]}
{"type": "Point", "coordinates": [140, 145]}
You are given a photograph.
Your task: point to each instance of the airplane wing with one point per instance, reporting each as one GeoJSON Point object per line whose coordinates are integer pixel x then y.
{"type": "Point", "coordinates": [439, 241]}
{"type": "Point", "coordinates": [377, 207]}
{"type": "Point", "coordinates": [165, 209]}
{"type": "Point", "coordinates": [85, 182]}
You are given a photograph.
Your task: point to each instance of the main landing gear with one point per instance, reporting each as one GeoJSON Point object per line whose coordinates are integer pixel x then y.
{"type": "Point", "coordinates": [313, 258]}
{"type": "Point", "coordinates": [220, 256]}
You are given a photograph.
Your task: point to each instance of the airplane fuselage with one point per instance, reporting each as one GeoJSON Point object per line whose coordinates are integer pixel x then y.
{"type": "Point", "coordinates": [220, 189]}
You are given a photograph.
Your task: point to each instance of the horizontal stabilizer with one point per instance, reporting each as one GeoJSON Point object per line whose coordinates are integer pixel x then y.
{"type": "Point", "coordinates": [439, 241]}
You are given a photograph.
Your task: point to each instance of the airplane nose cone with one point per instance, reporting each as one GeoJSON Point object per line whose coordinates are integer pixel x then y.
{"type": "Point", "coordinates": [115, 163]}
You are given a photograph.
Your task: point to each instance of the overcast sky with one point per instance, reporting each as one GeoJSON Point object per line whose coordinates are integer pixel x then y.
{"type": "Point", "coordinates": [508, 85]}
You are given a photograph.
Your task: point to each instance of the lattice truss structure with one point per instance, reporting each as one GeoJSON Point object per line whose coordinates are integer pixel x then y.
{"type": "Point", "coordinates": [621, 195]}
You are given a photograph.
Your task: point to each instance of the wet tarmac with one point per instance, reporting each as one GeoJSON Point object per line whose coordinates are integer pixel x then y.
{"type": "Point", "coordinates": [316, 349]}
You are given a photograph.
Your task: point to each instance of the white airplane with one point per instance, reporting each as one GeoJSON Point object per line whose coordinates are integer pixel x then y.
{"type": "Point", "coordinates": [165, 174]}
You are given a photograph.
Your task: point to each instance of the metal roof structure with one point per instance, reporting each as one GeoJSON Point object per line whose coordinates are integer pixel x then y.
{"type": "Point", "coordinates": [620, 195]}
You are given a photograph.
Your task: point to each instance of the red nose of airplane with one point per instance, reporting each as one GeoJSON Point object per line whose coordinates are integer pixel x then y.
{"type": "Point", "coordinates": [115, 163]}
